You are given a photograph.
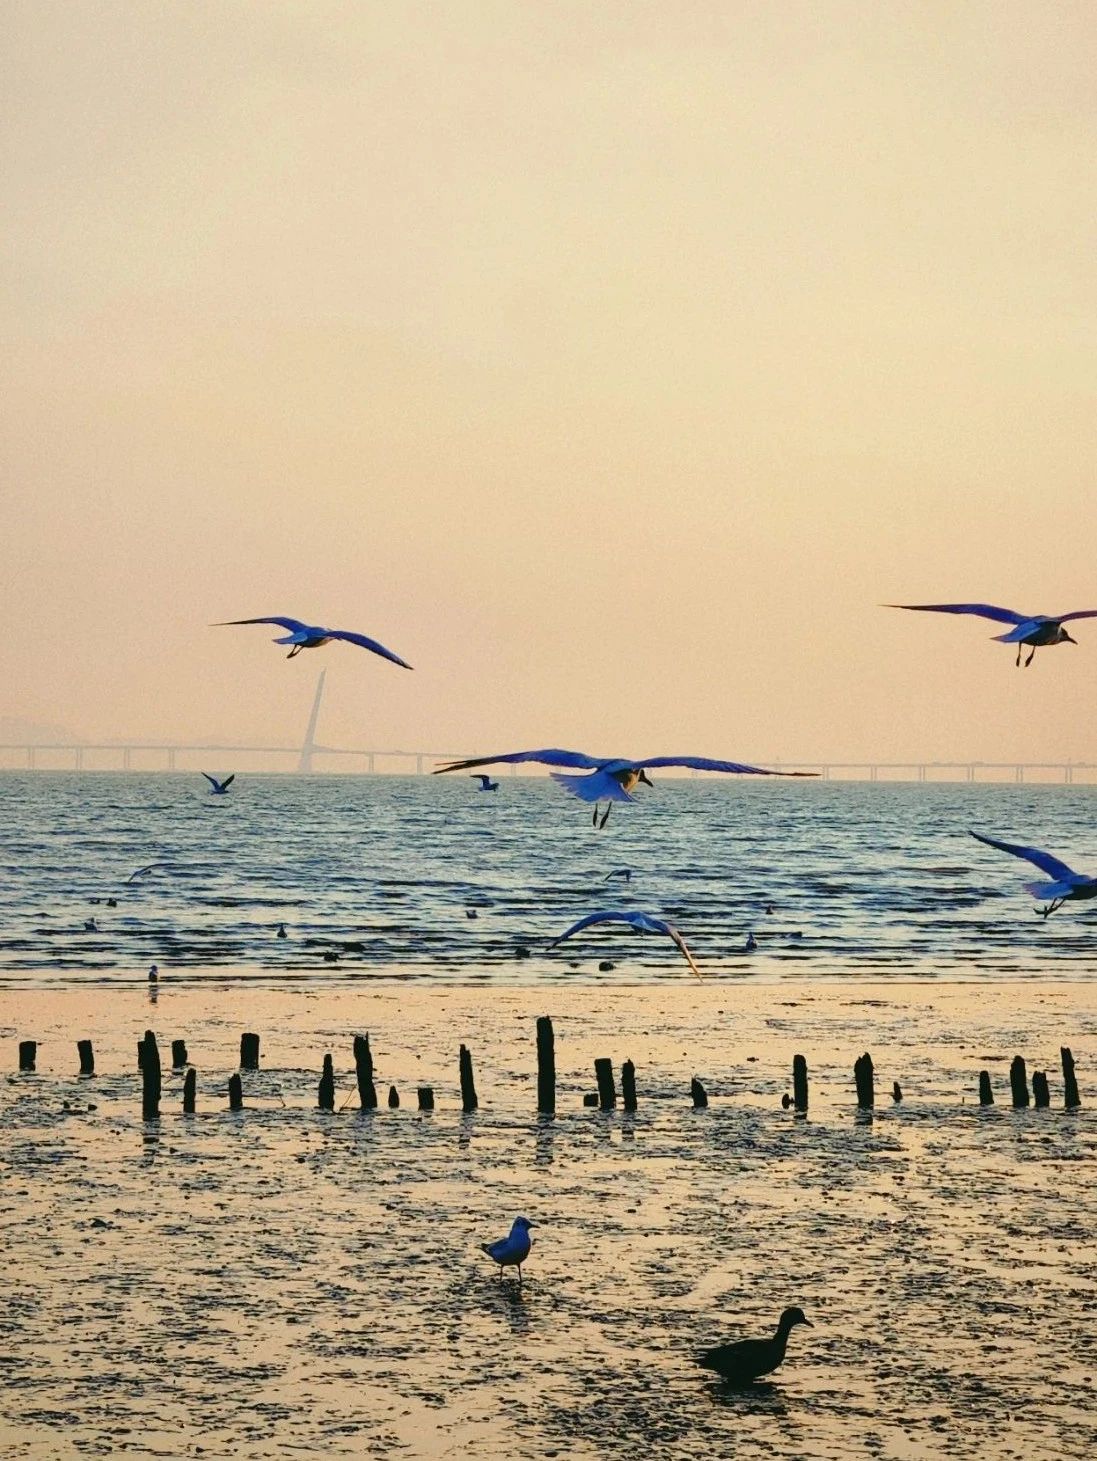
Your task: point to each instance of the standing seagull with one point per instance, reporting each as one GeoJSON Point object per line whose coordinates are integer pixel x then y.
{"type": "Point", "coordinates": [1067, 884]}
{"type": "Point", "coordinates": [611, 779]}
{"type": "Point", "coordinates": [219, 788]}
{"type": "Point", "coordinates": [486, 783]}
{"type": "Point", "coordinates": [513, 1250]}
{"type": "Point", "coordinates": [1036, 630]}
{"type": "Point", "coordinates": [749, 1359]}
{"type": "Point", "coordinates": [645, 922]}
{"type": "Point", "coordinates": [311, 636]}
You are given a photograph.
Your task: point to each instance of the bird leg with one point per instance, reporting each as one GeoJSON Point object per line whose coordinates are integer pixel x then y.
{"type": "Point", "coordinates": [594, 819]}
{"type": "Point", "coordinates": [1017, 661]}
{"type": "Point", "coordinates": [295, 650]}
{"type": "Point", "coordinates": [605, 818]}
{"type": "Point", "coordinates": [1051, 907]}
{"type": "Point", "coordinates": [1029, 660]}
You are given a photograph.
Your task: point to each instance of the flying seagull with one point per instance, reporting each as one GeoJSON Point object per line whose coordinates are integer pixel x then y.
{"type": "Point", "coordinates": [310, 636]}
{"type": "Point", "coordinates": [486, 783]}
{"type": "Point", "coordinates": [611, 779]}
{"type": "Point", "coordinates": [151, 867]}
{"type": "Point", "coordinates": [513, 1250]}
{"type": "Point", "coordinates": [749, 1359]}
{"type": "Point", "coordinates": [1066, 884]}
{"type": "Point", "coordinates": [645, 922]}
{"type": "Point", "coordinates": [219, 788]}
{"type": "Point", "coordinates": [619, 872]}
{"type": "Point", "coordinates": [1036, 630]}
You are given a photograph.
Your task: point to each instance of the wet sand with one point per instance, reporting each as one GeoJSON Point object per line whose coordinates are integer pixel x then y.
{"type": "Point", "coordinates": [282, 1281]}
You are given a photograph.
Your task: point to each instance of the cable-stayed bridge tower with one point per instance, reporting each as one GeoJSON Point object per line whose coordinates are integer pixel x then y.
{"type": "Point", "coordinates": [304, 762]}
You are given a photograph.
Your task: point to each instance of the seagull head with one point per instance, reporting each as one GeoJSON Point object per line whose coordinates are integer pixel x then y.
{"type": "Point", "coordinates": [643, 776]}
{"type": "Point", "coordinates": [523, 1223]}
{"type": "Point", "coordinates": [1064, 637]}
{"type": "Point", "coordinates": [795, 1316]}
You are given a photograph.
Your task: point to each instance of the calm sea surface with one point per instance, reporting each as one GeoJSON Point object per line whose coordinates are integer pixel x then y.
{"type": "Point", "coordinates": [384, 872]}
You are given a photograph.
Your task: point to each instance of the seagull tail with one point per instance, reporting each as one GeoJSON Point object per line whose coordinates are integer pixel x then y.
{"type": "Point", "coordinates": [1048, 890]}
{"type": "Point", "coordinates": [592, 786]}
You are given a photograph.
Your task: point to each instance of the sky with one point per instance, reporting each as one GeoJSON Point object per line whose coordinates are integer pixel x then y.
{"type": "Point", "coordinates": [613, 363]}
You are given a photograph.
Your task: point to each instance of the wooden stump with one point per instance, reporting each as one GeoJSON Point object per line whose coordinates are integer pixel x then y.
{"type": "Point", "coordinates": [469, 1099]}
{"type": "Point", "coordinates": [363, 1069]}
{"type": "Point", "coordinates": [607, 1093]}
{"type": "Point", "coordinates": [546, 1066]}
{"type": "Point", "coordinates": [698, 1094]}
{"type": "Point", "coordinates": [178, 1054]}
{"type": "Point", "coordinates": [87, 1057]}
{"type": "Point", "coordinates": [150, 1077]}
{"type": "Point", "coordinates": [190, 1082]}
{"type": "Point", "coordinates": [394, 1098]}
{"type": "Point", "coordinates": [863, 1076]}
{"type": "Point", "coordinates": [249, 1052]}
{"type": "Point", "coordinates": [1018, 1081]}
{"type": "Point", "coordinates": [236, 1093]}
{"type": "Point", "coordinates": [590, 1098]}
{"type": "Point", "coordinates": [1071, 1097]}
{"type": "Point", "coordinates": [326, 1094]}
{"type": "Point", "coordinates": [628, 1086]}
{"type": "Point", "coordinates": [28, 1051]}
{"type": "Point", "coordinates": [896, 1092]}
{"type": "Point", "coordinates": [1041, 1096]}
{"type": "Point", "coordinates": [986, 1095]}
{"type": "Point", "coordinates": [426, 1098]}
{"type": "Point", "coordinates": [799, 1083]}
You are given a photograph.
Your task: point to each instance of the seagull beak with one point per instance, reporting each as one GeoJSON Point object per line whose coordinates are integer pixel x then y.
{"type": "Point", "coordinates": [1068, 639]}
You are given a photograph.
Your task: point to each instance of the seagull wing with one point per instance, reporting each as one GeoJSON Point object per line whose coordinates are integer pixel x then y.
{"type": "Point", "coordinates": [368, 643]}
{"type": "Point", "coordinates": [1077, 614]}
{"type": "Point", "coordinates": [212, 781]}
{"type": "Point", "coordinates": [680, 941]}
{"type": "Point", "coordinates": [1043, 860]}
{"type": "Point", "coordinates": [703, 763]}
{"type": "Point", "coordinates": [613, 916]}
{"type": "Point", "coordinates": [228, 781]}
{"type": "Point", "coordinates": [546, 758]}
{"type": "Point", "coordinates": [293, 625]}
{"type": "Point", "coordinates": [987, 611]}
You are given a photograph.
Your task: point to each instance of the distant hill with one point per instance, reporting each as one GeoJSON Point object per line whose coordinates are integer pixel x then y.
{"type": "Point", "coordinates": [33, 732]}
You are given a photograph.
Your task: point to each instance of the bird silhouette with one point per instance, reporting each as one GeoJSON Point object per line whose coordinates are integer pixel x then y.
{"type": "Point", "coordinates": [1067, 885]}
{"type": "Point", "coordinates": [645, 922]}
{"type": "Point", "coordinates": [219, 788]}
{"type": "Point", "coordinates": [311, 636]}
{"type": "Point", "coordinates": [748, 1359]}
{"type": "Point", "coordinates": [486, 783]}
{"type": "Point", "coordinates": [513, 1250]}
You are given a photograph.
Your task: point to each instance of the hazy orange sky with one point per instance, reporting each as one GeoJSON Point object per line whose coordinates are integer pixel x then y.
{"type": "Point", "coordinates": [610, 362]}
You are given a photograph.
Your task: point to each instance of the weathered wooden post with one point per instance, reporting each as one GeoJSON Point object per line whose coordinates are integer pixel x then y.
{"type": "Point", "coordinates": [150, 1077]}
{"type": "Point", "coordinates": [628, 1086]}
{"type": "Point", "coordinates": [1041, 1096]}
{"type": "Point", "coordinates": [363, 1069]}
{"type": "Point", "coordinates": [469, 1101]}
{"type": "Point", "coordinates": [236, 1093]}
{"type": "Point", "coordinates": [326, 1098]}
{"type": "Point", "coordinates": [178, 1054]}
{"type": "Point", "coordinates": [1071, 1097]}
{"type": "Point", "coordinates": [799, 1083]}
{"type": "Point", "coordinates": [190, 1082]}
{"type": "Point", "coordinates": [607, 1093]}
{"type": "Point", "coordinates": [546, 1066]}
{"type": "Point", "coordinates": [1018, 1081]}
{"type": "Point", "coordinates": [87, 1057]}
{"type": "Point", "coordinates": [863, 1076]}
{"type": "Point", "coordinates": [986, 1095]}
{"type": "Point", "coordinates": [698, 1094]}
{"type": "Point", "coordinates": [140, 1054]}
{"type": "Point", "coordinates": [28, 1051]}
{"type": "Point", "coordinates": [590, 1098]}
{"type": "Point", "coordinates": [394, 1098]}
{"type": "Point", "coordinates": [425, 1095]}
{"type": "Point", "coordinates": [249, 1052]}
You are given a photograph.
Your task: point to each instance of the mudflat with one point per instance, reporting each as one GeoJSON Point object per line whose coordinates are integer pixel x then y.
{"type": "Point", "coordinates": [282, 1280]}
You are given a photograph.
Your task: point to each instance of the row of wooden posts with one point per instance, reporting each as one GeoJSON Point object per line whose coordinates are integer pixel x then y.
{"type": "Point", "coordinates": [148, 1060]}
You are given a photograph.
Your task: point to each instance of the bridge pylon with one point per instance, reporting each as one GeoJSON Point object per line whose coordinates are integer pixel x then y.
{"type": "Point", "coordinates": [304, 762]}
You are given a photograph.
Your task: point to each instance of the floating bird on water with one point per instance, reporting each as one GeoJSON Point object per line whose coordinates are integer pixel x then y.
{"type": "Point", "coordinates": [1067, 885]}
{"type": "Point", "coordinates": [1036, 630]}
{"type": "Point", "coordinates": [281, 931]}
{"type": "Point", "coordinates": [619, 872]}
{"type": "Point", "coordinates": [513, 1250]}
{"type": "Point", "coordinates": [751, 944]}
{"type": "Point", "coordinates": [645, 922]}
{"type": "Point", "coordinates": [749, 1359]}
{"type": "Point", "coordinates": [486, 783]}
{"type": "Point", "coordinates": [219, 788]}
{"type": "Point", "coordinates": [311, 636]}
{"type": "Point", "coordinates": [90, 925]}
{"type": "Point", "coordinates": [610, 779]}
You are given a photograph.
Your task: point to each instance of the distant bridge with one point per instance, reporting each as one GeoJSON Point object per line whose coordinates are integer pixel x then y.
{"type": "Point", "coordinates": [167, 756]}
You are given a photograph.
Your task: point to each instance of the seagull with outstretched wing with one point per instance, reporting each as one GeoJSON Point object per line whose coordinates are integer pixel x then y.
{"type": "Point", "coordinates": [219, 788]}
{"type": "Point", "coordinates": [1066, 884]}
{"type": "Point", "coordinates": [1036, 630]}
{"type": "Point", "coordinates": [645, 922]}
{"type": "Point", "coordinates": [311, 636]}
{"type": "Point", "coordinates": [486, 783]}
{"type": "Point", "coordinates": [609, 779]}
